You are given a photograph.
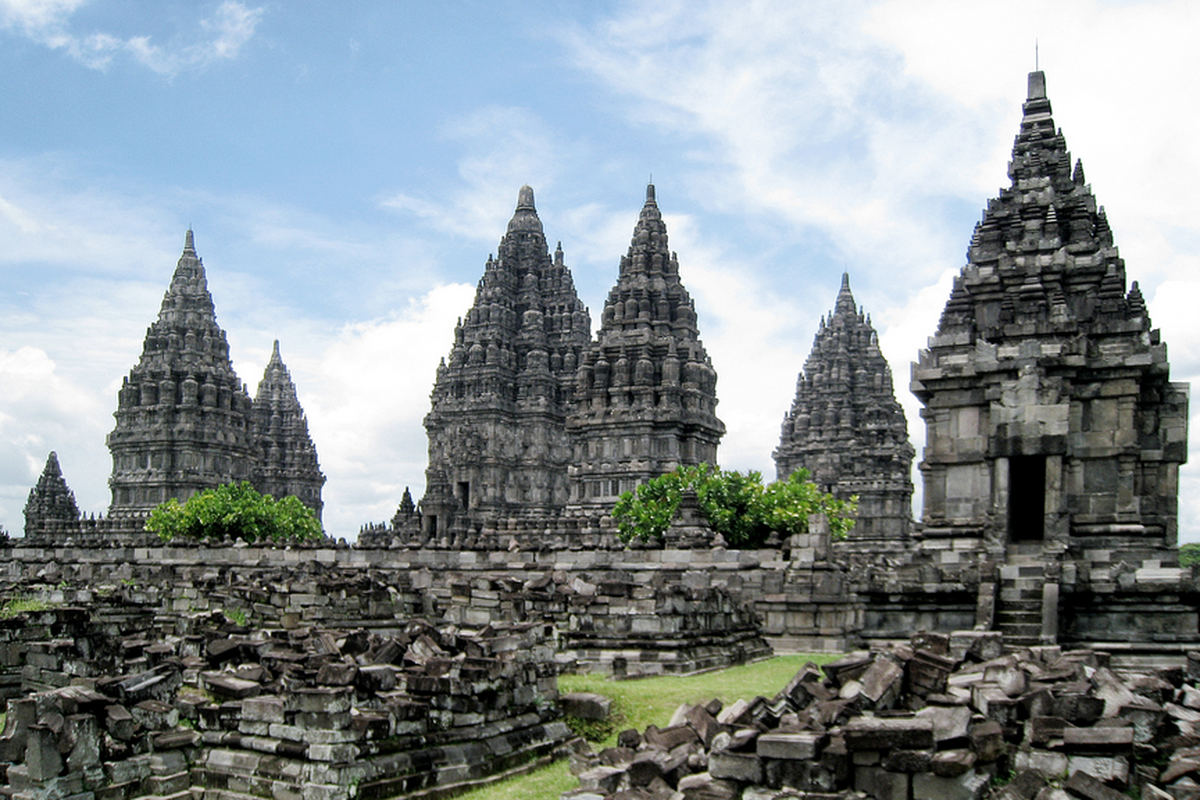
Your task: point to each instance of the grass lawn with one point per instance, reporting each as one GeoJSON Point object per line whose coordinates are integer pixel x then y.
{"type": "Point", "coordinates": [651, 701]}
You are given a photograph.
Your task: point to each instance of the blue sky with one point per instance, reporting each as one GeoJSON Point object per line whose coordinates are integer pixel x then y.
{"type": "Point", "coordinates": [348, 168]}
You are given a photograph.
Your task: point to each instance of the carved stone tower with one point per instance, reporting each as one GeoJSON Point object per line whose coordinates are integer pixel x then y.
{"type": "Point", "coordinates": [50, 500]}
{"type": "Point", "coordinates": [1049, 413]}
{"type": "Point", "coordinates": [286, 460]}
{"type": "Point", "coordinates": [497, 428]}
{"type": "Point", "coordinates": [645, 397]}
{"type": "Point", "coordinates": [846, 428]}
{"type": "Point", "coordinates": [183, 416]}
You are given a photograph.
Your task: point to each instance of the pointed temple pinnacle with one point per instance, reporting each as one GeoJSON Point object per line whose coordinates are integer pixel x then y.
{"type": "Point", "coordinates": [525, 199]}
{"type": "Point", "coordinates": [650, 201]}
{"type": "Point", "coordinates": [189, 243]}
{"type": "Point", "coordinates": [525, 217]}
{"type": "Point", "coordinates": [845, 300]}
{"type": "Point", "coordinates": [1037, 86]}
{"type": "Point", "coordinates": [275, 353]}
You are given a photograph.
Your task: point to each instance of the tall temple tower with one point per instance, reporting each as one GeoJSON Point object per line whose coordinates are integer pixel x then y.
{"type": "Point", "coordinates": [184, 420]}
{"type": "Point", "coordinates": [1051, 420]}
{"type": "Point", "coordinates": [497, 427]}
{"type": "Point", "coordinates": [286, 462]}
{"type": "Point", "coordinates": [846, 427]}
{"type": "Point", "coordinates": [645, 395]}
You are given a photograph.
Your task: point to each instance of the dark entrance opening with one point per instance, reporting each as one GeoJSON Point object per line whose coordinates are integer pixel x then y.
{"type": "Point", "coordinates": [464, 493]}
{"type": "Point", "coordinates": [1026, 498]}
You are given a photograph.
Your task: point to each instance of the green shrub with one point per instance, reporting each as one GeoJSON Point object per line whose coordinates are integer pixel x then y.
{"type": "Point", "coordinates": [1189, 554]}
{"type": "Point", "coordinates": [234, 511]}
{"type": "Point", "coordinates": [736, 506]}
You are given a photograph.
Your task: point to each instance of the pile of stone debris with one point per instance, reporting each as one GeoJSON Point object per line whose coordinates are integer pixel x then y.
{"type": "Point", "coordinates": [945, 717]}
{"type": "Point", "coordinates": [308, 711]}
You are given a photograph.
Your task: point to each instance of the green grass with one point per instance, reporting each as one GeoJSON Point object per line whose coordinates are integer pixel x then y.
{"type": "Point", "coordinates": [650, 701]}
{"type": "Point", "coordinates": [20, 605]}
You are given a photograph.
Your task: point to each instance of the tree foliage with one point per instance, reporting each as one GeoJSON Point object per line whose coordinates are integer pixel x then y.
{"type": "Point", "coordinates": [235, 511]}
{"type": "Point", "coordinates": [1189, 554]}
{"type": "Point", "coordinates": [736, 506]}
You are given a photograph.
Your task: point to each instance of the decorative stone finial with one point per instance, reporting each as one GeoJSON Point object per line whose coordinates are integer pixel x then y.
{"type": "Point", "coordinates": [1037, 85]}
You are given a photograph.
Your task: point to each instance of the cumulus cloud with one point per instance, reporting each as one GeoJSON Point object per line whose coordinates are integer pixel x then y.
{"type": "Point", "coordinates": [366, 397]}
{"type": "Point", "coordinates": [40, 411]}
{"type": "Point", "coordinates": [48, 22]}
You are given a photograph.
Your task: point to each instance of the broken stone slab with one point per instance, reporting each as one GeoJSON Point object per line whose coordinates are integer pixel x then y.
{"type": "Point", "coordinates": [119, 723]}
{"type": "Point", "coordinates": [703, 786]}
{"type": "Point", "coordinates": [970, 785]}
{"type": "Point", "coordinates": [881, 784]}
{"type": "Point", "coordinates": [1098, 739]}
{"type": "Point", "coordinates": [987, 741]}
{"type": "Point", "coordinates": [743, 767]}
{"type": "Point", "coordinates": [670, 737]}
{"type": "Point", "coordinates": [882, 733]}
{"type": "Point", "coordinates": [337, 674]}
{"type": "Point", "coordinates": [226, 685]}
{"type": "Point", "coordinates": [952, 763]}
{"type": "Point", "coordinates": [803, 746]}
{"type": "Point", "coordinates": [882, 681]}
{"type": "Point", "coordinates": [1025, 785]}
{"type": "Point", "coordinates": [1084, 786]}
{"type": "Point", "coordinates": [586, 705]}
{"type": "Point", "coordinates": [604, 780]}
{"type": "Point", "coordinates": [950, 723]}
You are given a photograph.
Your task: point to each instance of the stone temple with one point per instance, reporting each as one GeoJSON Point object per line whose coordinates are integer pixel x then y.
{"type": "Point", "coordinates": [1054, 438]}
{"type": "Point", "coordinates": [534, 421]}
{"type": "Point", "coordinates": [185, 421]}
{"type": "Point", "coordinates": [1054, 435]}
{"type": "Point", "coordinates": [498, 445]}
{"type": "Point", "coordinates": [646, 396]}
{"type": "Point", "coordinates": [846, 427]}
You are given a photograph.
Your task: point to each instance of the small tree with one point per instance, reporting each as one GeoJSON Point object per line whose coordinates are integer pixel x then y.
{"type": "Point", "coordinates": [736, 506]}
{"type": "Point", "coordinates": [233, 511]}
{"type": "Point", "coordinates": [1189, 554]}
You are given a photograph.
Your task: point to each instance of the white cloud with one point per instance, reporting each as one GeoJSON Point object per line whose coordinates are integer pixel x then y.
{"type": "Point", "coordinates": [366, 398]}
{"type": "Point", "coordinates": [47, 22]}
{"type": "Point", "coordinates": [504, 148]}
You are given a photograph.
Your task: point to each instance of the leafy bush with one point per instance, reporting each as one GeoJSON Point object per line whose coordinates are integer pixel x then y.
{"type": "Point", "coordinates": [736, 506]}
{"type": "Point", "coordinates": [1189, 554]}
{"type": "Point", "coordinates": [233, 511]}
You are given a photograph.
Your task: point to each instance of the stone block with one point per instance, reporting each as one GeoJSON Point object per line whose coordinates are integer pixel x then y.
{"type": "Point", "coordinates": [743, 767]}
{"type": "Point", "coordinates": [883, 733]}
{"type": "Point", "coordinates": [266, 708]}
{"type": "Point", "coordinates": [987, 741]}
{"type": "Point", "coordinates": [970, 785]}
{"type": "Point", "coordinates": [604, 780]}
{"type": "Point", "coordinates": [952, 763]}
{"type": "Point", "coordinates": [42, 758]}
{"type": "Point", "coordinates": [703, 786]}
{"type": "Point", "coordinates": [225, 685]}
{"type": "Point", "coordinates": [1084, 786]}
{"type": "Point", "coordinates": [803, 745]}
{"type": "Point", "coordinates": [881, 784]}
{"type": "Point", "coordinates": [950, 723]}
{"type": "Point", "coordinates": [907, 760]}
{"type": "Point", "coordinates": [586, 705]}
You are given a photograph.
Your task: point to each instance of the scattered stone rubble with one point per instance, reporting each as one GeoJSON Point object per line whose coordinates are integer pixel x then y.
{"type": "Point", "coordinates": [299, 713]}
{"type": "Point", "coordinates": [944, 717]}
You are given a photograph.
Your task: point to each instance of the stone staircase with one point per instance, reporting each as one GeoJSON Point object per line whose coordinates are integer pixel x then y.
{"type": "Point", "coordinates": [1019, 606]}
